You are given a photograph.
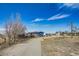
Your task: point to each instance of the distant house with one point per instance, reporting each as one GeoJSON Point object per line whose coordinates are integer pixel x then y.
{"type": "Point", "coordinates": [35, 34]}
{"type": "Point", "coordinates": [74, 33]}
{"type": "Point", "coordinates": [62, 33]}
{"type": "Point", "coordinates": [77, 34]}
{"type": "Point", "coordinates": [58, 33]}
{"type": "Point", "coordinates": [48, 34]}
{"type": "Point", "coordinates": [67, 33]}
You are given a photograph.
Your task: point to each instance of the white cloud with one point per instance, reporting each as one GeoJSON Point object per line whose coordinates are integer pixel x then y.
{"type": "Point", "coordinates": [69, 5]}
{"type": "Point", "coordinates": [38, 19]}
{"type": "Point", "coordinates": [55, 17]}
{"type": "Point", "coordinates": [58, 16]}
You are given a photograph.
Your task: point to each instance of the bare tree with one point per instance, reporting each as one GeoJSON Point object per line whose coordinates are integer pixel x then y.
{"type": "Point", "coordinates": [14, 27]}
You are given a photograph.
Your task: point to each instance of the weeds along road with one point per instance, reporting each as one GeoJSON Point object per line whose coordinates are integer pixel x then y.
{"type": "Point", "coordinates": [31, 47]}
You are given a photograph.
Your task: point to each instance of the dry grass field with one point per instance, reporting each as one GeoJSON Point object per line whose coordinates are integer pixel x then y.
{"type": "Point", "coordinates": [3, 43]}
{"type": "Point", "coordinates": [60, 46]}
{"type": "Point", "coordinates": [1, 40]}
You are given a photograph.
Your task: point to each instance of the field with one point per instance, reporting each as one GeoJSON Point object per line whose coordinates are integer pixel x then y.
{"type": "Point", "coordinates": [43, 46]}
{"type": "Point", "coordinates": [60, 46]}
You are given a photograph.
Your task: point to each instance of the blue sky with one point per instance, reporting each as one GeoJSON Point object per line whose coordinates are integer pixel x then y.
{"type": "Point", "coordinates": [47, 17]}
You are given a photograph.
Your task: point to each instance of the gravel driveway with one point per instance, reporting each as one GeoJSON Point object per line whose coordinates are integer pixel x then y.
{"type": "Point", "coordinates": [31, 47]}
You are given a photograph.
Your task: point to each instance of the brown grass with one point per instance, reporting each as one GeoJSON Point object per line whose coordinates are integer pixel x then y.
{"type": "Point", "coordinates": [60, 46]}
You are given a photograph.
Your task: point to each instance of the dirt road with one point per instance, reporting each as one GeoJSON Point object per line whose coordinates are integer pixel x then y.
{"type": "Point", "coordinates": [31, 47]}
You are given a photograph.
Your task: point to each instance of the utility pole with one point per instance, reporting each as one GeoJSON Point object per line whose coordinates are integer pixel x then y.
{"type": "Point", "coordinates": [71, 25]}
{"type": "Point", "coordinates": [72, 29]}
